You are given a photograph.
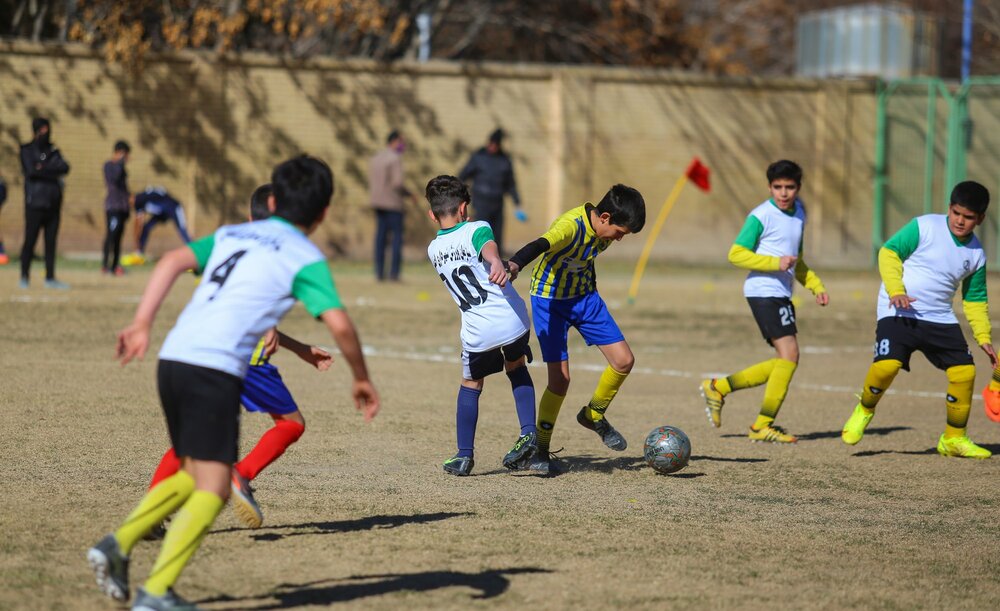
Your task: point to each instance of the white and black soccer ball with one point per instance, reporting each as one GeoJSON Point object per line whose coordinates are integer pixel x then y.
{"type": "Point", "coordinates": [667, 449]}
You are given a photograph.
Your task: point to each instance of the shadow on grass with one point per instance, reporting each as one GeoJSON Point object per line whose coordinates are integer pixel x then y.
{"type": "Point", "coordinates": [908, 452]}
{"type": "Point", "coordinates": [488, 584]}
{"type": "Point", "coordinates": [729, 459]}
{"type": "Point", "coordinates": [600, 464]}
{"type": "Point", "coordinates": [682, 475]}
{"type": "Point", "coordinates": [275, 533]}
{"type": "Point", "coordinates": [885, 430]}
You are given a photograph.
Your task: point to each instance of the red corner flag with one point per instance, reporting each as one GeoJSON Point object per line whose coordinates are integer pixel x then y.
{"type": "Point", "coordinates": [697, 172]}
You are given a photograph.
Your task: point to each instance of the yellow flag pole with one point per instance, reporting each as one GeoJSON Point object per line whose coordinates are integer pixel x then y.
{"type": "Point", "coordinates": [640, 267]}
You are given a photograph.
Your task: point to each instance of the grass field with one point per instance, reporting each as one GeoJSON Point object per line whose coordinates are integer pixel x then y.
{"type": "Point", "coordinates": [361, 516]}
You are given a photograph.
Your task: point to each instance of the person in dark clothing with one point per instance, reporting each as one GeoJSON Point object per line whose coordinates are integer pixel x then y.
{"type": "Point", "coordinates": [152, 207]}
{"type": "Point", "coordinates": [116, 207]}
{"type": "Point", "coordinates": [4, 259]}
{"type": "Point", "coordinates": [44, 169]}
{"type": "Point", "coordinates": [492, 176]}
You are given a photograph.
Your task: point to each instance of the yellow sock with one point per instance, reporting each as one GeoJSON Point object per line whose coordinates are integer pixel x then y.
{"type": "Point", "coordinates": [754, 375]}
{"type": "Point", "coordinates": [158, 503]}
{"type": "Point", "coordinates": [548, 411]}
{"type": "Point", "coordinates": [776, 389]}
{"type": "Point", "coordinates": [961, 379]}
{"type": "Point", "coordinates": [605, 392]}
{"type": "Point", "coordinates": [184, 536]}
{"type": "Point", "coordinates": [995, 382]}
{"type": "Point", "coordinates": [877, 381]}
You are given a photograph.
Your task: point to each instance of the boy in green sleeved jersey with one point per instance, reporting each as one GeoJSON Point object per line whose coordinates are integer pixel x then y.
{"type": "Point", "coordinates": [922, 267]}
{"type": "Point", "coordinates": [770, 246]}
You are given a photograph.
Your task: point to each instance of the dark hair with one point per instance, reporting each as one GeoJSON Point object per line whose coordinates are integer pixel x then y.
{"type": "Point", "coordinates": [626, 207]}
{"type": "Point", "coordinates": [392, 136]}
{"type": "Point", "coordinates": [38, 123]}
{"type": "Point", "coordinates": [121, 145]}
{"type": "Point", "coordinates": [972, 195]}
{"type": "Point", "coordinates": [302, 187]}
{"type": "Point", "coordinates": [444, 193]}
{"type": "Point", "coordinates": [784, 169]}
{"type": "Point", "coordinates": [497, 136]}
{"type": "Point", "coordinates": [258, 202]}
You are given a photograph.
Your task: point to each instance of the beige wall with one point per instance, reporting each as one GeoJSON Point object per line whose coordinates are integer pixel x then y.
{"type": "Point", "coordinates": [210, 129]}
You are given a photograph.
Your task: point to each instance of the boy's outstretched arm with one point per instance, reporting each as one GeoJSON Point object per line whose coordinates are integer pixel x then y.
{"type": "Point", "coordinates": [526, 255]}
{"type": "Point", "coordinates": [491, 255]}
{"type": "Point", "coordinates": [314, 355]}
{"type": "Point", "coordinates": [342, 329]}
{"type": "Point", "coordinates": [977, 311]}
{"type": "Point", "coordinates": [811, 281]}
{"type": "Point", "coordinates": [134, 339]}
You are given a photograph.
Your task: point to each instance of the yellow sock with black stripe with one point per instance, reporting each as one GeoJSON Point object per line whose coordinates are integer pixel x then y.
{"type": "Point", "coordinates": [548, 411]}
{"type": "Point", "coordinates": [995, 382]}
{"type": "Point", "coordinates": [607, 387]}
{"type": "Point", "coordinates": [754, 375]}
{"type": "Point", "coordinates": [877, 381]}
{"type": "Point", "coordinates": [775, 391]}
{"type": "Point", "coordinates": [184, 536]}
{"type": "Point", "coordinates": [160, 502]}
{"type": "Point", "coordinates": [961, 379]}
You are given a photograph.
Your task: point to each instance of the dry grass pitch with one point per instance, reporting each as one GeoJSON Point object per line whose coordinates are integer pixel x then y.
{"type": "Point", "coordinates": [361, 516]}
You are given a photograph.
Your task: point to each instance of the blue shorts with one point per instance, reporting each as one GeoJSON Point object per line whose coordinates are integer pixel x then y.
{"type": "Point", "coordinates": [553, 318]}
{"type": "Point", "coordinates": [264, 391]}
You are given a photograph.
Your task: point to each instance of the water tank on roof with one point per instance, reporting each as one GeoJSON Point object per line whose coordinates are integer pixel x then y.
{"type": "Point", "coordinates": [882, 40]}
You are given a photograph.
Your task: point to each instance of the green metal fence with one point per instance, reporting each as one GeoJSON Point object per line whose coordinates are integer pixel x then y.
{"type": "Point", "coordinates": [930, 136]}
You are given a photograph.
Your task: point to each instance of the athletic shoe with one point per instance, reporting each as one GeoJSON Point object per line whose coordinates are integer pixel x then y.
{"type": "Point", "coordinates": [991, 401]}
{"type": "Point", "coordinates": [459, 465]}
{"type": "Point", "coordinates": [119, 271]}
{"type": "Point", "coordinates": [110, 568]}
{"type": "Point", "coordinates": [854, 428]}
{"type": "Point", "coordinates": [56, 284]}
{"type": "Point", "coordinates": [144, 601]}
{"type": "Point", "coordinates": [158, 532]}
{"type": "Point", "coordinates": [611, 437]}
{"type": "Point", "coordinates": [714, 400]}
{"type": "Point", "coordinates": [543, 462]}
{"type": "Point", "coordinates": [524, 448]}
{"type": "Point", "coordinates": [245, 506]}
{"type": "Point", "coordinates": [23, 283]}
{"type": "Point", "coordinates": [961, 447]}
{"type": "Point", "coordinates": [772, 434]}
{"type": "Point", "coordinates": [4, 259]}
{"type": "Point", "coordinates": [133, 259]}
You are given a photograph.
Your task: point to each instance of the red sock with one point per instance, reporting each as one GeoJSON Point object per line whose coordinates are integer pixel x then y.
{"type": "Point", "coordinates": [169, 465]}
{"type": "Point", "coordinates": [272, 444]}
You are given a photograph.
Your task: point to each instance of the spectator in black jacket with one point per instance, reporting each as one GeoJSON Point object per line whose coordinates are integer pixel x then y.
{"type": "Point", "coordinates": [4, 259]}
{"type": "Point", "coordinates": [44, 169]}
{"type": "Point", "coordinates": [116, 207]}
{"type": "Point", "coordinates": [492, 176]}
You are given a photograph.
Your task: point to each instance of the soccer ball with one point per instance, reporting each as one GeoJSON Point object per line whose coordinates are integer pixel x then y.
{"type": "Point", "coordinates": [667, 449]}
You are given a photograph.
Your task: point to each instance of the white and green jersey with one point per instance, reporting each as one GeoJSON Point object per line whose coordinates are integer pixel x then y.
{"type": "Point", "coordinates": [253, 274]}
{"type": "Point", "coordinates": [935, 264]}
{"type": "Point", "coordinates": [491, 316]}
{"type": "Point", "coordinates": [774, 232]}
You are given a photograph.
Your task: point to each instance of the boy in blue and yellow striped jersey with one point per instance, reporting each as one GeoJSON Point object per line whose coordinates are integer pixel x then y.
{"type": "Point", "coordinates": [564, 294]}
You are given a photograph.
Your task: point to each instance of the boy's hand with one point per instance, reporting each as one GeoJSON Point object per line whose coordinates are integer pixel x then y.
{"type": "Point", "coordinates": [270, 342]}
{"type": "Point", "coordinates": [787, 262]}
{"type": "Point", "coordinates": [901, 302]}
{"type": "Point", "coordinates": [365, 399]}
{"type": "Point", "coordinates": [132, 342]}
{"type": "Point", "coordinates": [318, 358]}
{"type": "Point", "coordinates": [512, 269]}
{"type": "Point", "coordinates": [822, 299]}
{"type": "Point", "coordinates": [990, 352]}
{"type": "Point", "coordinates": [498, 275]}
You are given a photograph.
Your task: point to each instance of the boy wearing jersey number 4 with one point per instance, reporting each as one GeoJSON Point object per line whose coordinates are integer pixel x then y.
{"type": "Point", "coordinates": [254, 274]}
{"type": "Point", "coordinates": [922, 267]}
{"type": "Point", "coordinates": [564, 294]}
{"type": "Point", "coordinates": [494, 320]}
{"type": "Point", "coordinates": [770, 246]}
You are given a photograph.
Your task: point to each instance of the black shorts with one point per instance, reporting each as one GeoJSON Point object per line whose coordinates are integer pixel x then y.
{"type": "Point", "coordinates": [478, 365]}
{"type": "Point", "coordinates": [202, 408]}
{"type": "Point", "coordinates": [775, 316]}
{"type": "Point", "coordinates": [897, 337]}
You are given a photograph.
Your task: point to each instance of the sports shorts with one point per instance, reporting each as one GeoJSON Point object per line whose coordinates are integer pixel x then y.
{"type": "Point", "coordinates": [265, 391]}
{"type": "Point", "coordinates": [897, 337]}
{"type": "Point", "coordinates": [775, 316]}
{"type": "Point", "coordinates": [202, 408]}
{"type": "Point", "coordinates": [478, 365]}
{"type": "Point", "coordinates": [587, 313]}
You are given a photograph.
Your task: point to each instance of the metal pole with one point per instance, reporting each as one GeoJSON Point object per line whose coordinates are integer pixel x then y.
{"type": "Point", "coordinates": [878, 214]}
{"type": "Point", "coordinates": [966, 40]}
{"type": "Point", "coordinates": [929, 150]}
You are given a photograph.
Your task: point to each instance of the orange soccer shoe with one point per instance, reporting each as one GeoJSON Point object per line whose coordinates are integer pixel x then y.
{"type": "Point", "coordinates": [991, 403]}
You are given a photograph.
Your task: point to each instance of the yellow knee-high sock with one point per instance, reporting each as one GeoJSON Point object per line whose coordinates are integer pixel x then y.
{"type": "Point", "coordinates": [879, 378]}
{"type": "Point", "coordinates": [183, 538]}
{"type": "Point", "coordinates": [995, 382]}
{"type": "Point", "coordinates": [961, 379]}
{"type": "Point", "coordinates": [158, 503]}
{"type": "Point", "coordinates": [775, 391]}
{"type": "Point", "coordinates": [548, 411]}
{"type": "Point", "coordinates": [754, 375]}
{"type": "Point", "coordinates": [607, 388]}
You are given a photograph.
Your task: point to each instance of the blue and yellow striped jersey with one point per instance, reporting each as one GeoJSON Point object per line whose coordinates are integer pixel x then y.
{"type": "Point", "coordinates": [258, 357]}
{"type": "Point", "coordinates": [567, 268]}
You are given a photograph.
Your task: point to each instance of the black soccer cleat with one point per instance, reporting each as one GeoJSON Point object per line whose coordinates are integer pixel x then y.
{"type": "Point", "coordinates": [459, 465]}
{"type": "Point", "coordinates": [519, 456]}
{"type": "Point", "coordinates": [609, 435]}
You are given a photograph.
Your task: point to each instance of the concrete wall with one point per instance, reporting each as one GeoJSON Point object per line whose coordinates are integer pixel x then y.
{"type": "Point", "coordinates": [209, 129]}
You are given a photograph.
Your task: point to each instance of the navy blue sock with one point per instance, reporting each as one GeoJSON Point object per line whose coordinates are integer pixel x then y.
{"type": "Point", "coordinates": [524, 398]}
{"type": "Point", "coordinates": [465, 419]}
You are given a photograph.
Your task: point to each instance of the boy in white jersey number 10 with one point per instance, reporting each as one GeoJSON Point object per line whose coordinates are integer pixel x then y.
{"type": "Point", "coordinates": [770, 246]}
{"type": "Point", "coordinates": [494, 320]}
{"type": "Point", "coordinates": [922, 267]}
